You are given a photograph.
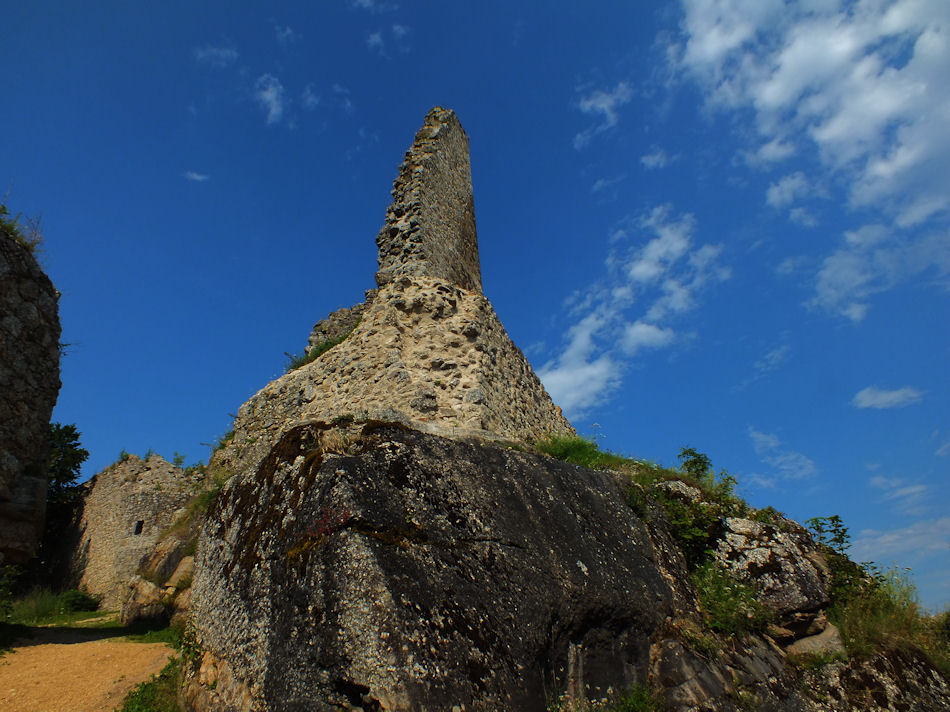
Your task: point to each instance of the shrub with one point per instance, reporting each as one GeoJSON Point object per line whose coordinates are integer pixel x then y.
{"type": "Point", "coordinates": [729, 605]}
{"type": "Point", "coordinates": [295, 361]}
{"type": "Point", "coordinates": [41, 605]}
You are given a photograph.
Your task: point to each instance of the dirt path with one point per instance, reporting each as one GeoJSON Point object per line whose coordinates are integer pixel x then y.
{"type": "Point", "coordinates": [75, 670]}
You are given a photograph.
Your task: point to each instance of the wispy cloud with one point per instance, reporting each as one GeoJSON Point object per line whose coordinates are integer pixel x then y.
{"type": "Point", "coordinates": [602, 185]}
{"type": "Point", "coordinates": [908, 498]}
{"type": "Point", "coordinates": [376, 43]}
{"type": "Point", "coordinates": [211, 56]}
{"type": "Point", "coordinates": [374, 5]}
{"type": "Point", "coordinates": [309, 97]}
{"type": "Point", "coordinates": [653, 262]}
{"type": "Point", "coordinates": [787, 190]}
{"type": "Point", "coordinates": [657, 158]}
{"type": "Point", "coordinates": [921, 539]}
{"type": "Point", "coordinates": [602, 104]}
{"type": "Point", "coordinates": [873, 259]}
{"type": "Point", "coordinates": [285, 34]}
{"type": "Point", "coordinates": [862, 88]}
{"type": "Point", "coordinates": [269, 94]}
{"type": "Point", "coordinates": [341, 98]}
{"type": "Point", "coordinates": [773, 359]}
{"type": "Point", "coordinates": [195, 177]}
{"type": "Point", "coordinates": [873, 397]}
{"type": "Point", "coordinates": [787, 464]}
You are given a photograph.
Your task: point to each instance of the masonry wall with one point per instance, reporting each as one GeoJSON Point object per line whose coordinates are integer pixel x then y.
{"type": "Point", "coordinates": [128, 506]}
{"type": "Point", "coordinates": [29, 386]}
{"type": "Point", "coordinates": [430, 226]}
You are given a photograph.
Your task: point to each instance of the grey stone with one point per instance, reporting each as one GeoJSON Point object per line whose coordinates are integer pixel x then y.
{"type": "Point", "coordinates": [29, 384]}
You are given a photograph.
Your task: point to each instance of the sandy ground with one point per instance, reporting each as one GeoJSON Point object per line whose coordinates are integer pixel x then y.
{"type": "Point", "coordinates": [75, 670]}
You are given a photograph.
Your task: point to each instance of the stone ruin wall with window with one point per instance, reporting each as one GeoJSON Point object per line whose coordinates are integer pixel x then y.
{"type": "Point", "coordinates": [126, 508]}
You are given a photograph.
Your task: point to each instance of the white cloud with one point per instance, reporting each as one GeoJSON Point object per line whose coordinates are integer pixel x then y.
{"type": "Point", "coordinates": [863, 87]}
{"type": "Point", "coordinates": [865, 84]}
{"type": "Point", "coordinates": [790, 465]}
{"type": "Point", "coordinates": [664, 271]}
{"type": "Point", "coordinates": [923, 538]}
{"type": "Point", "coordinates": [269, 93]}
{"type": "Point", "coordinates": [787, 190]}
{"type": "Point", "coordinates": [577, 379]}
{"type": "Point", "coordinates": [874, 259]}
{"type": "Point", "coordinates": [943, 450]}
{"type": "Point", "coordinates": [605, 105]}
{"type": "Point", "coordinates": [873, 397]}
{"type": "Point", "coordinates": [400, 31]}
{"type": "Point", "coordinates": [195, 177]}
{"type": "Point", "coordinates": [642, 335]}
{"type": "Point", "coordinates": [657, 158]}
{"type": "Point", "coordinates": [211, 56]}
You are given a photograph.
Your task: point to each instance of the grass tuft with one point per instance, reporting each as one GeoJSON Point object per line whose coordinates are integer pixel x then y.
{"type": "Point", "coordinates": [160, 694]}
{"type": "Point", "coordinates": [295, 361]}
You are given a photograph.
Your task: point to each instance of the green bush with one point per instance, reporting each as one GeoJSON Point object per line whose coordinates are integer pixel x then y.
{"type": "Point", "coordinates": [729, 605]}
{"type": "Point", "coordinates": [295, 361]}
{"type": "Point", "coordinates": [41, 605]}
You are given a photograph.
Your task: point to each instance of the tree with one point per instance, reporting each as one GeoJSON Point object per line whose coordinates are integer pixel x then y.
{"type": "Point", "coordinates": [66, 457]}
{"type": "Point", "coordinates": [695, 464]}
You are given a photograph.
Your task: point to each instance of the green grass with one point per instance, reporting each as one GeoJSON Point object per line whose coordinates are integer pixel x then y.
{"type": "Point", "coordinates": [27, 235]}
{"type": "Point", "coordinates": [43, 607]}
{"type": "Point", "coordinates": [160, 694]}
{"type": "Point", "coordinates": [638, 698]}
{"type": "Point", "coordinates": [295, 361]}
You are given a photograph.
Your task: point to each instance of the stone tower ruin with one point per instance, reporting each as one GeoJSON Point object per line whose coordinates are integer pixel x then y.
{"type": "Point", "coordinates": [430, 226]}
{"type": "Point", "coordinates": [427, 349]}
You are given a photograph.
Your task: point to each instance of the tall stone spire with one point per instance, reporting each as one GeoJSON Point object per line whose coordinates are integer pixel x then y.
{"type": "Point", "coordinates": [430, 227]}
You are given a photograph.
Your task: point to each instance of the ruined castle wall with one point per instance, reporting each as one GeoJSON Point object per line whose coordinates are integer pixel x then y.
{"type": "Point", "coordinates": [128, 506]}
{"type": "Point", "coordinates": [428, 354]}
{"type": "Point", "coordinates": [430, 226]}
{"type": "Point", "coordinates": [29, 386]}
{"type": "Point", "coordinates": [339, 323]}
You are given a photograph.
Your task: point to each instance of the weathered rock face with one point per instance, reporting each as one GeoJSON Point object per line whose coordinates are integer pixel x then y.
{"type": "Point", "coordinates": [29, 384]}
{"type": "Point", "coordinates": [430, 227]}
{"type": "Point", "coordinates": [420, 572]}
{"type": "Point", "coordinates": [782, 559]}
{"type": "Point", "coordinates": [127, 506]}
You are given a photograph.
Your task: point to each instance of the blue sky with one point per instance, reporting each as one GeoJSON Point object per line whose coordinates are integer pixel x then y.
{"type": "Point", "coordinates": [714, 223]}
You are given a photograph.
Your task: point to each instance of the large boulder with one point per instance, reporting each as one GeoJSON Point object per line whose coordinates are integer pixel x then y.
{"type": "Point", "coordinates": [29, 384]}
{"type": "Point", "coordinates": [418, 572]}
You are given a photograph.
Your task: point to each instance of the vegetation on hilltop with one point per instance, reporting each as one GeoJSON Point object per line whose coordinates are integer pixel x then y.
{"type": "Point", "coordinates": [875, 610]}
{"type": "Point", "coordinates": [28, 235]}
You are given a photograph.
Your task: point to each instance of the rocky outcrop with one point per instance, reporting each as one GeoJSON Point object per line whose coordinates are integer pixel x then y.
{"type": "Point", "coordinates": [388, 542]}
{"type": "Point", "coordinates": [415, 572]}
{"type": "Point", "coordinates": [29, 386]}
{"type": "Point", "coordinates": [127, 506]}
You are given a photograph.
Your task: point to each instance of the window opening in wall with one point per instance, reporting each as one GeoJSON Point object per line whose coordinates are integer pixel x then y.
{"type": "Point", "coordinates": [138, 526]}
